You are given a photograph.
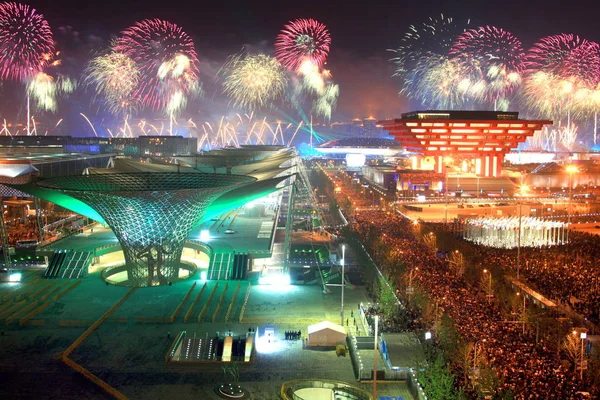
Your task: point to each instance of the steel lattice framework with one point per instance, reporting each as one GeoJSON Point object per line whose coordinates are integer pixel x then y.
{"type": "Point", "coordinates": [150, 213]}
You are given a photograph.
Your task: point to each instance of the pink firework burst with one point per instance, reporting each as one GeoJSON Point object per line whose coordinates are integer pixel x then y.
{"type": "Point", "coordinates": [301, 39]}
{"type": "Point", "coordinates": [566, 56]}
{"type": "Point", "coordinates": [155, 44]}
{"type": "Point", "coordinates": [25, 40]}
{"type": "Point", "coordinates": [490, 46]}
{"type": "Point", "coordinates": [495, 55]}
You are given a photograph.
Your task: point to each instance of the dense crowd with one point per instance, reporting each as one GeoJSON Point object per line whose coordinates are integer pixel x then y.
{"type": "Point", "coordinates": [530, 370]}
{"type": "Point", "coordinates": [566, 274]}
{"type": "Point", "coordinates": [22, 230]}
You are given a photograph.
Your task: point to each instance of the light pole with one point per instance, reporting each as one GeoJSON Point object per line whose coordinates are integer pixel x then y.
{"type": "Point", "coordinates": [446, 198]}
{"type": "Point", "coordinates": [447, 160]}
{"type": "Point", "coordinates": [485, 271]}
{"type": "Point", "coordinates": [583, 337]}
{"type": "Point", "coordinates": [524, 310]}
{"type": "Point", "coordinates": [375, 356]}
{"type": "Point", "coordinates": [519, 242]}
{"type": "Point", "coordinates": [570, 169]}
{"type": "Point", "coordinates": [343, 279]}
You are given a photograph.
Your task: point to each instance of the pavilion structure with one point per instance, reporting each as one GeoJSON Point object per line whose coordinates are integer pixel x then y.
{"type": "Point", "coordinates": [484, 137]}
{"type": "Point", "coordinates": [150, 213]}
{"type": "Point", "coordinates": [152, 208]}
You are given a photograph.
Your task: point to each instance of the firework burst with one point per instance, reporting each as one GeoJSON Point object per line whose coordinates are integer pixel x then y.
{"type": "Point", "coordinates": [47, 85]}
{"type": "Point", "coordinates": [302, 39]}
{"type": "Point", "coordinates": [25, 37]}
{"type": "Point", "coordinates": [566, 56]}
{"type": "Point", "coordinates": [445, 83]}
{"type": "Point", "coordinates": [254, 81]}
{"type": "Point", "coordinates": [493, 54]}
{"type": "Point", "coordinates": [166, 59]}
{"type": "Point", "coordinates": [550, 95]}
{"type": "Point", "coordinates": [423, 42]}
{"type": "Point", "coordinates": [327, 101]}
{"type": "Point", "coordinates": [114, 77]}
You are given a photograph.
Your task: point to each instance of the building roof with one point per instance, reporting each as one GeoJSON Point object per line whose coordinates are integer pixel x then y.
{"type": "Point", "coordinates": [44, 158]}
{"type": "Point", "coordinates": [324, 325]}
{"type": "Point", "coordinates": [143, 182]}
{"type": "Point", "coordinates": [461, 115]}
{"type": "Point", "coordinates": [260, 178]}
{"type": "Point", "coordinates": [359, 142]}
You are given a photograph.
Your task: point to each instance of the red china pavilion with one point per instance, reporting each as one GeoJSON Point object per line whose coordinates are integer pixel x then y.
{"type": "Point", "coordinates": [483, 136]}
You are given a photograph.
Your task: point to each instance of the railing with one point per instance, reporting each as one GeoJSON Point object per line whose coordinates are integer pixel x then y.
{"type": "Point", "coordinates": [338, 388]}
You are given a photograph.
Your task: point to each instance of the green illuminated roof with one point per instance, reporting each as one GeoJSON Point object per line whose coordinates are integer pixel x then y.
{"type": "Point", "coordinates": [142, 182]}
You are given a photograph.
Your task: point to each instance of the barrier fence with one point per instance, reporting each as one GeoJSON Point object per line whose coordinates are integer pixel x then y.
{"type": "Point", "coordinates": [245, 302]}
{"type": "Point", "coordinates": [216, 313]}
{"type": "Point", "coordinates": [191, 309]}
{"type": "Point", "coordinates": [180, 306]}
{"type": "Point", "coordinates": [207, 303]}
{"type": "Point", "coordinates": [237, 289]}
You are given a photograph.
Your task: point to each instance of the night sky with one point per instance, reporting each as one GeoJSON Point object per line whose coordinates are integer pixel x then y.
{"type": "Point", "coordinates": [360, 33]}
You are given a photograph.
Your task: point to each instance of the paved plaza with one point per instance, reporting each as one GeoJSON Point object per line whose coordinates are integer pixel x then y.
{"type": "Point", "coordinates": [130, 354]}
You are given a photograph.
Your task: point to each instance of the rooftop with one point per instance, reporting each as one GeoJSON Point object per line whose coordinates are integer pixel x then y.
{"type": "Point", "coordinates": [461, 115]}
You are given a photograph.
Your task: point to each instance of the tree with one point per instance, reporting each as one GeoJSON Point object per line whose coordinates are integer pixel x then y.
{"type": "Point", "coordinates": [387, 300]}
{"type": "Point", "coordinates": [571, 346]}
{"type": "Point", "coordinates": [438, 381]}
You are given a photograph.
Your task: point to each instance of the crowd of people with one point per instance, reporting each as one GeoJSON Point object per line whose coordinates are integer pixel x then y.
{"type": "Point", "coordinates": [529, 369]}
{"type": "Point", "coordinates": [566, 274]}
{"type": "Point", "coordinates": [21, 229]}
{"type": "Point", "coordinates": [406, 319]}
{"type": "Point", "coordinates": [293, 335]}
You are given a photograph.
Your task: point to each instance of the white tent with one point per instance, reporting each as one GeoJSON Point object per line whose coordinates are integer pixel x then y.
{"type": "Point", "coordinates": [326, 334]}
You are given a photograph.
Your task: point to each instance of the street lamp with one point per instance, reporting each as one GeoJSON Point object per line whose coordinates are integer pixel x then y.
{"type": "Point", "coordinates": [447, 160]}
{"type": "Point", "coordinates": [583, 337]}
{"type": "Point", "coordinates": [571, 169]}
{"type": "Point", "coordinates": [343, 279]}
{"type": "Point", "coordinates": [519, 242]}
{"type": "Point", "coordinates": [485, 271]}
{"type": "Point", "coordinates": [524, 309]}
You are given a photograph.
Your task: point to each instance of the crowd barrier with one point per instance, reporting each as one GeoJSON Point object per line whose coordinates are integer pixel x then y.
{"type": "Point", "coordinates": [18, 313]}
{"type": "Point", "coordinates": [33, 313]}
{"type": "Point", "coordinates": [10, 309]}
{"type": "Point", "coordinates": [75, 323]}
{"type": "Point", "coordinates": [60, 295]}
{"type": "Point", "coordinates": [237, 289]}
{"type": "Point", "coordinates": [243, 310]}
{"type": "Point", "coordinates": [180, 306]}
{"type": "Point", "coordinates": [216, 313]}
{"type": "Point", "coordinates": [191, 309]}
{"type": "Point", "coordinates": [207, 303]}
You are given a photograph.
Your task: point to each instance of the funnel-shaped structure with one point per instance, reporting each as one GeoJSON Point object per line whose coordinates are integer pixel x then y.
{"type": "Point", "coordinates": [151, 213]}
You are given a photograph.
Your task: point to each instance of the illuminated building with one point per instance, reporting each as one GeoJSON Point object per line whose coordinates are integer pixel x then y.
{"type": "Point", "coordinates": [482, 137]}
{"type": "Point", "coordinates": [132, 146]}
{"type": "Point", "coordinates": [152, 208]}
{"type": "Point", "coordinates": [150, 213]}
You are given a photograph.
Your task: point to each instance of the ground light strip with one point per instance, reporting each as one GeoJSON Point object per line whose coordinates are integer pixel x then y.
{"type": "Point", "coordinates": [76, 367]}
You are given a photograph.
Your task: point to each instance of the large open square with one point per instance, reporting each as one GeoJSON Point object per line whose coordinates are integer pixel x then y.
{"type": "Point", "coordinates": [128, 350]}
